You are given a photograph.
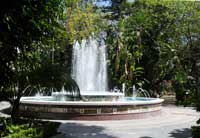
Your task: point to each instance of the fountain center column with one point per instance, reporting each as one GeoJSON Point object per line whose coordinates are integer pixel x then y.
{"type": "Point", "coordinates": [89, 67]}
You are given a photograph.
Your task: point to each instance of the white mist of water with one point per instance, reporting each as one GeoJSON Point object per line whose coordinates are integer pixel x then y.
{"type": "Point", "coordinates": [89, 67]}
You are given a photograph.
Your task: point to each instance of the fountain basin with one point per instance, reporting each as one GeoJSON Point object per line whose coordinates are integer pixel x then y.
{"type": "Point", "coordinates": [90, 96]}
{"type": "Point", "coordinates": [126, 108]}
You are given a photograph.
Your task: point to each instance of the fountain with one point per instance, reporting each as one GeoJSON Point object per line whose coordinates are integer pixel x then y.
{"type": "Point", "coordinates": [89, 70]}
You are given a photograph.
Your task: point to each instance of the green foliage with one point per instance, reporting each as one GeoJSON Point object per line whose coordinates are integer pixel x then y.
{"type": "Point", "coordinates": [196, 131]}
{"type": "Point", "coordinates": [18, 131]}
{"type": "Point", "coordinates": [31, 31]}
{"type": "Point", "coordinates": [82, 20]}
{"type": "Point", "coordinates": [125, 51]}
{"type": "Point", "coordinates": [21, 131]}
{"type": "Point", "coordinates": [29, 28]}
{"type": "Point", "coordinates": [28, 128]}
{"type": "Point", "coordinates": [158, 36]}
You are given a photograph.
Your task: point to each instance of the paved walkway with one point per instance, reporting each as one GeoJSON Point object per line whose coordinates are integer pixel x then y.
{"type": "Point", "coordinates": [4, 106]}
{"type": "Point", "coordinates": [175, 122]}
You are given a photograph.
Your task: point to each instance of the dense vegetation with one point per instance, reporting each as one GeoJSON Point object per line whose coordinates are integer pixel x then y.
{"type": "Point", "coordinates": [152, 44]}
{"type": "Point", "coordinates": [30, 31]}
{"type": "Point", "coordinates": [28, 129]}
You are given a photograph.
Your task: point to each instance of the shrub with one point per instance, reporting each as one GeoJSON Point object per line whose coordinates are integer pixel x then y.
{"type": "Point", "coordinates": [28, 128]}
{"type": "Point", "coordinates": [19, 131]}
{"type": "Point", "coordinates": [49, 129]}
{"type": "Point", "coordinates": [196, 131]}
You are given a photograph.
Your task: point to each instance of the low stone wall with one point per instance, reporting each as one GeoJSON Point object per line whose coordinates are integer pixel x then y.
{"type": "Point", "coordinates": [169, 99]}
{"type": "Point", "coordinates": [86, 112]}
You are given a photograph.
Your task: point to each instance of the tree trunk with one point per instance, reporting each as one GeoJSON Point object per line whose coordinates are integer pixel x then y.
{"type": "Point", "coordinates": [198, 84]}
{"type": "Point", "coordinates": [15, 110]}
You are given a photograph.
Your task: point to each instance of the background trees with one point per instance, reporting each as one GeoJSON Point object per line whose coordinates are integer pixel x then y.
{"type": "Point", "coordinates": [83, 20]}
{"type": "Point", "coordinates": [154, 37]}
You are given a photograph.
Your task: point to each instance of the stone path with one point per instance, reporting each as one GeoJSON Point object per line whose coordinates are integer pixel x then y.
{"type": "Point", "coordinates": [175, 122]}
{"type": "Point", "coordinates": [3, 106]}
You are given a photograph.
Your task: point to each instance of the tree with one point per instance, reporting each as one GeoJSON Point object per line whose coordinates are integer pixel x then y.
{"type": "Point", "coordinates": [35, 36]}
{"type": "Point", "coordinates": [163, 31]}
{"type": "Point", "coordinates": [28, 30]}
{"type": "Point", "coordinates": [83, 20]}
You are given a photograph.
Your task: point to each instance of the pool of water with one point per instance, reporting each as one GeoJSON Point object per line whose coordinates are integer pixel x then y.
{"type": "Point", "coordinates": [49, 98]}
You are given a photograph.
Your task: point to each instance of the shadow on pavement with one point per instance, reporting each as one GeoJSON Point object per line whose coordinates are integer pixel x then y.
{"type": "Point", "coordinates": [76, 130]}
{"type": "Point", "coordinates": [146, 137]}
{"type": "Point", "coordinates": [6, 111]}
{"type": "Point", "coordinates": [181, 133]}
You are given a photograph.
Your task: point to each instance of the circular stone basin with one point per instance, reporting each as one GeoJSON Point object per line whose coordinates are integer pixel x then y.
{"type": "Point", "coordinates": [47, 107]}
